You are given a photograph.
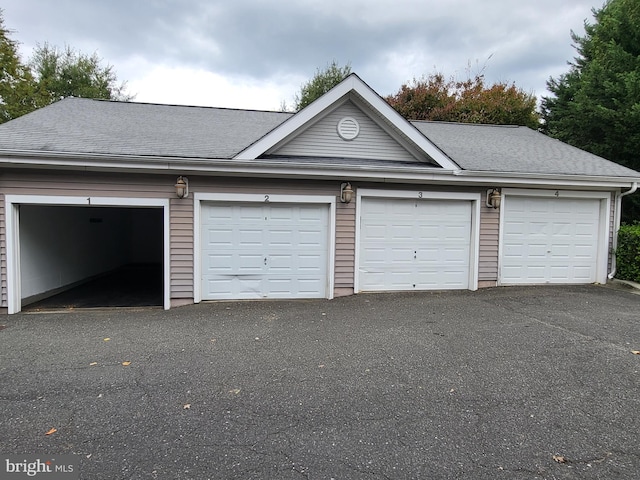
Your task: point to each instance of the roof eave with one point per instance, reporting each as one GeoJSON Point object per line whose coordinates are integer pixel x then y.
{"type": "Point", "coordinates": [274, 168]}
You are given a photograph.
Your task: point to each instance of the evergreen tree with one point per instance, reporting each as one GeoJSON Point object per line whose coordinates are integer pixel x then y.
{"type": "Point", "coordinates": [596, 104]}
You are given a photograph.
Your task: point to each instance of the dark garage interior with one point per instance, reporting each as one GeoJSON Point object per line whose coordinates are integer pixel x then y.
{"type": "Point", "coordinates": [90, 257]}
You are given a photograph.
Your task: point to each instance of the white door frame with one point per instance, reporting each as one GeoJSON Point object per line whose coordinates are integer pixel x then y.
{"type": "Point", "coordinates": [474, 243]}
{"type": "Point", "coordinates": [265, 198]}
{"type": "Point", "coordinates": [603, 222]}
{"type": "Point", "coordinates": [12, 226]}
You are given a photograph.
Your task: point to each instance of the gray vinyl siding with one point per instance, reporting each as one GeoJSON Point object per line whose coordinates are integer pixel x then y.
{"type": "Point", "coordinates": [345, 248]}
{"type": "Point", "coordinates": [83, 185]}
{"type": "Point", "coordinates": [489, 239]}
{"type": "Point", "coordinates": [612, 232]}
{"type": "Point", "coordinates": [322, 140]}
{"type": "Point", "coordinates": [181, 213]}
{"type": "Point", "coordinates": [181, 247]}
{"type": "Point", "coordinates": [3, 254]}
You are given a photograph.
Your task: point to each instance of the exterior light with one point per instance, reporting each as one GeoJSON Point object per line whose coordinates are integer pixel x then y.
{"type": "Point", "coordinates": [182, 187]}
{"type": "Point", "coordinates": [346, 193]}
{"type": "Point", "coordinates": [494, 198]}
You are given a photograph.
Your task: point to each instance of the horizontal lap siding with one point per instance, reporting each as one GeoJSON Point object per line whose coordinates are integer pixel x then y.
{"type": "Point", "coordinates": [3, 254]}
{"type": "Point", "coordinates": [612, 232]}
{"type": "Point", "coordinates": [181, 214]}
{"type": "Point", "coordinates": [322, 139]}
{"type": "Point", "coordinates": [345, 248]}
{"type": "Point", "coordinates": [489, 239]}
{"type": "Point", "coordinates": [111, 185]}
{"type": "Point", "coordinates": [181, 241]}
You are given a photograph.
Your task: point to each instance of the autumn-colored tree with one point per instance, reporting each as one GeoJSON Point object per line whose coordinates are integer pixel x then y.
{"type": "Point", "coordinates": [468, 101]}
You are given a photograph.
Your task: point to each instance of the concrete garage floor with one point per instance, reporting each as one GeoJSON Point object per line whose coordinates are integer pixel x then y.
{"type": "Point", "coordinates": [138, 285]}
{"type": "Point", "coordinates": [434, 385]}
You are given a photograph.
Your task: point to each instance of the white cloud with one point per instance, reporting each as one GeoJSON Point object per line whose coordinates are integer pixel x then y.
{"type": "Point", "coordinates": [194, 86]}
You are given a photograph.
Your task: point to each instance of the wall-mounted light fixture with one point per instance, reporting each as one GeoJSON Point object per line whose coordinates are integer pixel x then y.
{"type": "Point", "coordinates": [182, 187]}
{"type": "Point", "coordinates": [494, 198]}
{"type": "Point", "coordinates": [346, 192]}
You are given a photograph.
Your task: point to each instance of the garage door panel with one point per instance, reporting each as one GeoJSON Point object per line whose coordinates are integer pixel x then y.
{"type": "Point", "coordinates": [264, 251]}
{"type": "Point", "coordinates": [549, 240]}
{"type": "Point", "coordinates": [408, 244]}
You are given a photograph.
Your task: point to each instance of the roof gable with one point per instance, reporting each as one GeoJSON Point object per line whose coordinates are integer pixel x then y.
{"type": "Point", "coordinates": [351, 93]}
{"type": "Point", "coordinates": [349, 132]}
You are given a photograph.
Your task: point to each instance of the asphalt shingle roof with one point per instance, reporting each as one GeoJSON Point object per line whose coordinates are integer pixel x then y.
{"type": "Point", "coordinates": [76, 125]}
{"type": "Point", "coordinates": [506, 148]}
{"type": "Point", "coordinates": [126, 128]}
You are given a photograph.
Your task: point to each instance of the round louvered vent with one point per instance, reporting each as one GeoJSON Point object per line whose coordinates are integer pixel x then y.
{"type": "Point", "coordinates": [348, 128]}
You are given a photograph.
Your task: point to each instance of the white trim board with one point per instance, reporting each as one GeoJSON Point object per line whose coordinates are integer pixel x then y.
{"type": "Point", "coordinates": [474, 198]}
{"type": "Point", "coordinates": [265, 197]}
{"type": "Point", "coordinates": [12, 225]}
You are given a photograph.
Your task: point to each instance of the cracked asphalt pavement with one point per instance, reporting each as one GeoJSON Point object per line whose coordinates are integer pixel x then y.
{"type": "Point", "coordinates": [490, 384]}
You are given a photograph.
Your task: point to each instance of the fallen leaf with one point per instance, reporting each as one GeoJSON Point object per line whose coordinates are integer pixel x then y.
{"type": "Point", "coordinates": [635, 352]}
{"type": "Point", "coordinates": [560, 459]}
{"type": "Point", "coordinates": [93, 363]}
{"type": "Point", "coordinates": [126, 364]}
{"type": "Point", "coordinates": [186, 406]}
{"type": "Point", "coordinates": [52, 431]}
{"type": "Point", "coordinates": [107, 339]}
{"type": "Point", "coordinates": [235, 391]}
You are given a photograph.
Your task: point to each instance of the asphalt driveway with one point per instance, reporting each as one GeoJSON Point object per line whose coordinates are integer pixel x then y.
{"type": "Point", "coordinates": [478, 385]}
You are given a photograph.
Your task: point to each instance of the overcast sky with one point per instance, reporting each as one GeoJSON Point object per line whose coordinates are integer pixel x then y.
{"type": "Point", "coordinates": [257, 53]}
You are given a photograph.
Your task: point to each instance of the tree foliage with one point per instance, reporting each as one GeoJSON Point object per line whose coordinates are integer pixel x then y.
{"type": "Point", "coordinates": [596, 104]}
{"type": "Point", "coordinates": [16, 81]}
{"type": "Point", "coordinates": [628, 252]}
{"type": "Point", "coordinates": [323, 81]}
{"type": "Point", "coordinates": [65, 73]}
{"type": "Point", "coordinates": [469, 101]}
{"type": "Point", "coordinates": [50, 74]}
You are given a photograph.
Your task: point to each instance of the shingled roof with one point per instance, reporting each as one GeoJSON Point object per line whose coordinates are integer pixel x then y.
{"type": "Point", "coordinates": [83, 126]}
{"type": "Point", "coordinates": [78, 125]}
{"type": "Point", "coordinates": [513, 149]}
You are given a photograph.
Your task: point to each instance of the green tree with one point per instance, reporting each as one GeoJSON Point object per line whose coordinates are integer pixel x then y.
{"type": "Point", "coordinates": [16, 81]}
{"type": "Point", "coordinates": [468, 101]}
{"type": "Point", "coordinates": [64, 73]}
{"type": "Point", "coordinates": [321, 83]}
{"type": "Point", "coordinates": [596, 104]}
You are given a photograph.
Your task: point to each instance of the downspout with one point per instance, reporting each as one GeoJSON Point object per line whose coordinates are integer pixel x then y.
{"type": "Point", "coordinates": [616, 227]}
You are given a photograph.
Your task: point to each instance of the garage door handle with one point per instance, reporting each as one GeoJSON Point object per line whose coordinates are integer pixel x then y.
{"type": "Point", "coordinates": [265, 260]}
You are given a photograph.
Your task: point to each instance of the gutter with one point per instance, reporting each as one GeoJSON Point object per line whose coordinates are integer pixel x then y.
{"type": "Point", "coordinates": [616, 227]}
{"type": "Point", "coordinates": [274, 168]}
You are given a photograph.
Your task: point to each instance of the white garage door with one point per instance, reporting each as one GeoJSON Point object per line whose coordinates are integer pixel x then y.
{"type": "Point", "coordinates": [410, 244]}
{"type": "Point", "coordinates": [252, 250]}
{"type": "Point", "coordinates": [549, 240]}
